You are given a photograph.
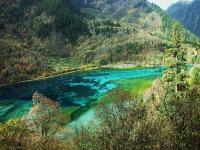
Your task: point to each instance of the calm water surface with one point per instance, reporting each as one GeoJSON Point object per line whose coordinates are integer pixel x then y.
{"type": "Point", "coordinates": [78, 89]}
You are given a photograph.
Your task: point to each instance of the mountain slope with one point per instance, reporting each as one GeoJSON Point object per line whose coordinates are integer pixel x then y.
{"type": "Point", "coordinates": [31, 32]}
{"type": "Point", "coordinates": [143, 33]}
{"type": "Point", "coordinates": [42, 38]}
{"type": "Point", "coordinates": [188, 13]}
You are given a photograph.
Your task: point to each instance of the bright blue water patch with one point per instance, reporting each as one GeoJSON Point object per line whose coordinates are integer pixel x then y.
{"type": "Point", "coordinates": [78, 89]}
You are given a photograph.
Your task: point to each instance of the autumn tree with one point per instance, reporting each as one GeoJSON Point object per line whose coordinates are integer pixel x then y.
{"type": "Point", "coordinates": [46, 117]}
{"type": "Point", "coordinates": [40, 129]}
{"type": "Point", "coordinates": [14, 134]}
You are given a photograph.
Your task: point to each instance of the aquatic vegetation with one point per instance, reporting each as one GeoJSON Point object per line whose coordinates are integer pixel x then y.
{"type": "Point", "coordinates": [74, 92]}
{"type": "Point", "coordinates": [137, 85]}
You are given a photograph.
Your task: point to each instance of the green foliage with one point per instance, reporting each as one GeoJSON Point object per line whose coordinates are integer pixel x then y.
{"type": "Point", "coordinates": [167, 25]}
{"type": "Point", "coordinates": [13, 11]}
{"type": "Point", "coordinates": [61, 17]}
{"type": "Point", "coordinates": [195, 79]}
{"type": "Point", "coordinates": [177, 62]}
{"type": "Point", "coordinates": [181, 109]}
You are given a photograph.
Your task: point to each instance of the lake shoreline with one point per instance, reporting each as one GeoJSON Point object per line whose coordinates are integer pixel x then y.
{"type": "Point", "coordinates": [86, 95]}
{"type": "Point", "coordinates": [109, 66]}
{"type": "Point", "coordinates": [50, 76]}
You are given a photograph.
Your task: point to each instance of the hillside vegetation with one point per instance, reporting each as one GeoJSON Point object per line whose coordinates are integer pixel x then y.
{"type": "Point", "coordinates": [166, 116]}
{"type": "Point", "coordinates": [40, 38]}
{"type": "Point", "coordinates": [43, 38]}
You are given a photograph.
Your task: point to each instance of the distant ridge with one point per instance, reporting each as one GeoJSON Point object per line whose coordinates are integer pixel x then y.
{"type": "Point", "coordinates": [188, 13]}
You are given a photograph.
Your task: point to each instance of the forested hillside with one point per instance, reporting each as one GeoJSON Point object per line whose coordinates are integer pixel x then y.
{"type": "Point", "coordinates": [166, 116]}
{"type": "Point", "coordinates": [43, 38]}
{"type": "Point", "coordinates": [188, 14]}
{"type": "Point", "coordinates": [150, 101]}
{"type": "Point", "coordinates": [31, 32]}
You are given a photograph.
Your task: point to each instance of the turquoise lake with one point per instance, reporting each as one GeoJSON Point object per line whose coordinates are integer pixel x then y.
{"type": "Point", "coordinates": [73, 90]}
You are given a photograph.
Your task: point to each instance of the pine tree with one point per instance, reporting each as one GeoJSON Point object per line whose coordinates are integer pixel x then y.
{"type": "Point", "coordinates": [176, 72]}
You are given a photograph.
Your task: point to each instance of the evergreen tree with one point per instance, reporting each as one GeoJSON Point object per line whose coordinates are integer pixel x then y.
{"type": "Point", "coordinates": [176, 63]}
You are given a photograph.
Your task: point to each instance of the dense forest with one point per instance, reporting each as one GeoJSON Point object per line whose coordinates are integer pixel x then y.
{"type": "Point", "coordinates": [44, 38]}
{"type": "Point", "coordinates": [56, 36]}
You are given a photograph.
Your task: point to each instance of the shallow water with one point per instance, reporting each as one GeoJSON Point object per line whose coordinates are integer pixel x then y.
{"type": "Point", "coordinates": [74, 90]}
